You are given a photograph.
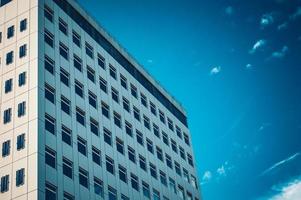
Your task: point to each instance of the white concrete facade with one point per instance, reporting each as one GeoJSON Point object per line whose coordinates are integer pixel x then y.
{"type": "Point", "coordinates": [58, 115]}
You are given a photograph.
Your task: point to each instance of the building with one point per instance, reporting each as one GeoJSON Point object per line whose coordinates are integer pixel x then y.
{"type": "Point", "coordinates": [80, 119]}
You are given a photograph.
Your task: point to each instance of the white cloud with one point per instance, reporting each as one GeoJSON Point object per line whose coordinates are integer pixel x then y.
{"type": "Point", "coordinates": [281, 53]}
{"type": "Point", "coordinates": [296, 14]}
{"type": "Point", "coordinates": [229, 10]}
{"type": "Point", "coordinates": [221, 171]}
{"type": "Point", "coordinates": [206, 177]}
{"type": "Point", "coordinates": [266, 20]}
{"type": "Point", "coordinates": [282, 26]}
{"type": "Point", "coordinates": [215, 70]}
{"type": "Point", "coordinates": [258, 45]}
{"type": "Point", "coordinates": [249, 66]}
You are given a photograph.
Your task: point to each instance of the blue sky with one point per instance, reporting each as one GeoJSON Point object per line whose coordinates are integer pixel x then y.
{"type": "Point", "coordinates": [236, 68]}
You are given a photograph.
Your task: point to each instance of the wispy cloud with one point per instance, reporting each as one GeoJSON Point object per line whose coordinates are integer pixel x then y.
{"type": "Point", "coordinates": [258, 45]}
{"type": "Point", "coordinates": [282, 26]}
{"type": "Point", "coordinates": [280, 163]}
{"type": "Point", "coordinates": [215, 70]}
{"type": "Point", "coordinates": [249, 66]}
{"type": "Point", "coordinates": [281, 53]}
{"type": "Point", "coordinates": [266, 19]}
{"type": "Point", "coordinates": [221, 171]}
{"type": "Point", "coordinates": [229, 10]}
{"type": "Point", "coordinates": [206, 177]}
{"type": "Point", "coordinates": [296, 14]}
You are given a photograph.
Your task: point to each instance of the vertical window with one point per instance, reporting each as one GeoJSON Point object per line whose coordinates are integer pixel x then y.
{"type": "Point", "coordinates": [64, 77]}
{"type": "Point", "coordinates": [123, 197]}
{"type": "Point", "coordinates": [83, 177]}
{"type": "Point", "coordinates": [156, 130]}
{"type": "Point", "coordinates": [139, 137]}
{"type": "Point", "coordinates": [113, 72]}
{"type": "Point", "coordinates": [7, 116]}
{"type": "Point", "coordinates": [153, 109]}
{"type": "Point", "coordinates": [146, 122]}
{"type": "Point", "coordinates": [165, 138]}
{"type": "Point", "coordinates": [79, 89]}
{"type": "Point", "coordinates": [98, 187]}
{"type": "Point", "coordinates": [96, 155]}
{"type": "Point", "coordinates": [182, 153]}
{"type": "Point", "coordinates": [20, 142]}
{"type": "Point", "coordinates": [168, 161]}
{"type": "Point", "coordinates": [117, 119]}
{"type": "Point", "coordinates": [101, 61]}
{"type": "Point", "coordinates": [134, 182]}
{"type": "Point", "coordinates": [49, 124]}
{"type": "Point", "coordinates": [143, 100]}
{"type": "Point", "coordinates": [10, 32]}
{"type": "Point", "coordinates": [89, 50]}
{"type": "Point", "coordinates": [150, 146]}
{"type": "Point", "coordinates": [103, 84]}
{"type": "Point", "coordinates": [112, 193]}
{"type": "Point", "coordinates": [186, 139]}
{"type": "Point", "coordinates": [76, 38]}
{"type": "Point", "coordinates": [68, 196]}
{"type": "Point", "coordinates": [64, 51]}
{"type": "Point", "coordinates": [50, 191]}
{"type": "Point", "coordinates": [170, 124]}
{"type": "Point", "coordinates": [159, 153]}
{"type": "Point", "coordinates": [194, 182]}
{"type": "Point", "coordinates": [190, 160]}
{"type": "Point", "coordinates": [134, 91]}
{"type": "Point", "coordinates": [8, 86]}
{"type": "Point", "coordinates": [20, 177]}
{"type": "Point", "coordinates": [110, 165]}
{"type": "Point", "coordinates": [23, 25]}
{"type": "Point", "coordinates": [186, 175]}
{"type": "Point", "coordinates": [48, 13]}
{"type": "Point", "coordinates": [22, 51]}
{"type": "Point", "coordinates": [82, 146]}
{"type": "Point", "coordinates": [179, 132]}
{"type": "Point", "coordinates": [181, 192]}
{"type": "Point", "coordinates": [48, 38]}
{"type": "Point", "coordinates": [145, 190]}
{"type": "Point", "coordinates": [119, 145]}
{"type": "Point", "coordinates": [105, 109]}
{"type": "Point", "coordinates": [94, 126]}
{"type": "Point", "coordinates": [22, 79]}
{"type": "Point", "coordinates": [49, 64]}
{"type": "Point", "coordinates": [65, 105]}
{"type": "Point", "coordinates": [122, 173]}
{"type": "Point", "coordinates": [178, 168]}
{"type": "Point", "coordinates": [142, 163]}
{"type": "Point", "coordinates": [67, 168]}
{"type": "Point", "coordinates": [21, 109]}
{"type": "Point", "coordinates": [0, 37]}
{"type": "Point", "coordinates": [92, 99]}
{"type": "Point", "coordinates": [189, 196]}
{"type": "Point", "coordinates": [6, 148]}
{"type": "Point", "coordinates": [172, 185]}
{"type": "Point", "coordinates": [9, 58]}
{"type": "Point", "coordinates": [156, 195]}
{"type": "Point", "coordinates": [4, 183]}
{"type": "Point", "coordinates": [115, 95]}
{"type": "Point", "coordinates": [66, 135]}
{"type": "Point", "coordinates": [131, 154]}
{"type": "Point", "coordinates": [128, 128]}
{"type": "Point", "coordinates": [136, 113]}
{"type": "Point", "coordinates": [91, 74]}
{"type": "Point", "coordinates": [162, 117]}
{"type": "Point", "coordinates": [49, 93]}
{"type": "Point", "coordinates": [123, 82]}
{"type": "Point", "coordinates": [63, 26]}
{"type": "Point", "coordinates": [77, 63]}
{"type": "Point", "coordinates": [126, 104]}
{"type": "Point", "coordinates": [50, 157]}
{"type": "Point", "coordinates": [174, 146]}
{"type": "Point", "coordinates": [153, 170]}
{"type": "Point", "coordinates": [163, 178]}
{"type": "Point", "coordinates": [107, 136]}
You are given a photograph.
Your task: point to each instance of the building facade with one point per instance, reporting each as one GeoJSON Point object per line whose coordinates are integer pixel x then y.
{"type": "Point", "coordinates": [80, 118]}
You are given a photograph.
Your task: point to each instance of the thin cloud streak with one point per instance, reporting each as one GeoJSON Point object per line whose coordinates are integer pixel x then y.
{"type": "Point", "coordinates": [258, 45]}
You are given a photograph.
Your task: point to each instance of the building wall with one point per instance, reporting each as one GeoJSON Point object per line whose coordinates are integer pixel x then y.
{"type": "Point", "coordinates": [10, 15]}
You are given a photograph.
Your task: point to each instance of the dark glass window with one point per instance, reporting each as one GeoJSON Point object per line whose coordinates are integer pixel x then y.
{"type": "Point", "coordinates": [82, 146]}
{"type": "Point", "coordinates": [50, 124]}
{"type": "Point", "coordinates": [142, 163]}
{"type": "Point", "coordinates": [8, 86]}
{"type": "Point", "coordinates": [178, 168]}
{"type": "Point", "coordinates": [135, 182]}
{"type": "Point", "coordinates": [10, 32]}
{"type": "Point", "coordinates": [79, 88]}
{"type": "Point", "coordinates": [63, 26]}
{"type": "Point", "coordinates": [66, 135]}
{"type": "Point", "coordinates": [112, 193]}
{"type": "Point", "coordinates": [65, 105]}
{"type": "Point", "coordinates": [117, 119]}
{"type": "Point", "coordinates": [22, 79]}
{"type": "Point", "coordinates": [128, 128]}
{"type": "Point", "coordinates": [170, 124]}
{"type": "Point", "coordinates": [153, 108]}
{"type": "Point", "coordinates": [146, 122]}
{"type": "Point", "coordinates": [182, 153]}
{"type": "Point", "coordinates": [92, 99]}
{"type": "Point", "coordinates": [168, 161]}
{"type": "Point", "coordinates": [115, 95]}
{"type": "Point", "coordinates": [22, 51]}
{"type": "Point", "coordinates": [50, 157]}
{"type": "Point", "coordinates": [153, 170]}
{"type": "Point", "coordinates": [6, 148]}
{"type": "Point", "coordinates": [48, 13]}
{"type": "Point", "coordinates": [126, 104]}
{"type": "Point", "coordinates": [143, 100]}
{"type": "Point", "coordinates": [49, 64]}
{"type": "Point", "coordinates": [150, 146]}
{"type": "Point", "coordinates": [64, 51]}
{"type": "Point", "coordinates": [68, 196]}
{"type": "Point", "coordinates": [110, 165]}
{"type": "Point", "coordinates": [67, 168]}
{"type": "Point", "coordinates": [77, 62]}
{"type": "Point", "coordinates": [123, 82]}
{"type": "Point", "coordinates": [64, 77]}
{"type": "Point", "coordinates": [122, 173]}
{"type": "Point", "coordinates": [96, 155]}
{"type": "Point", "coordinates": [76, 38]}
{"type": "Point", "coordinates": [162, 116]}
{"type": "Point", "coordinates": [119, 145]}
{"type": "Point", "coordinates": [7, 116]}
{"type": "Point", "coordinates": [103, 84]}
{"type": "Point", "coordinates": [23, 25]}
{"type": "Point", "coordinates": [163, 178]}
{"type": "Point", "coordinates": [139, 137]}
{"type": "Point", "coordinates": [20, 142]}
{"type": "Point", "coordinates": [83, 177]}
{"type": "Point", "coordinates": [107, 136]}
{"type": "Point", "coordinates": [98, 187]}
{"type": "Point", "coordinates": [49, 93]}
{"type": "Point", "coordinates": [105, 109]}
{"type": "Point", "coordinates": [186, 139]}
{"type": "Point", "coordinates": [48, 38]}
{"type": "Point", "coordinates": [145, 190]}
{"type": "Point", "coordinates": [101, 61]}
{"type": "Point", "coordinates": [174, 146]}
{"type": "Point", "coordinates": [4, 183]}
{"type": "Point", "coordinates": [80, 116]}
{"type": "Point", "coordinates": [21, 109]}
{"type": "Point", "coordinates": [94, 126]}
{"type": "Point", "coordinates": [190, 160]}
{"type": "Point", "coordinates": [89, 50]}
{"type": "Point", "coordinates": [9, 57]}
{"type": "Point", "coordinates": [156, 130]}
{"type": "Point", "coordinates": [179, 132]}
{"type": "Point", "coordinates": [134, 91]}
{"type": "Point", "coordinates": [136, 113]}
{"type": "Point", "coordinates": [113, 72]}
{"type": "Point", "coordinates": [50, 191]}
{"type": "Point", "coordinates": [90, 74]}
{"type": "Point", "coordinates": [131, 154]}
{"type": "Point", "coordinates": [159, 153]}
{"type": "Point", "coordinates": [165, 138]}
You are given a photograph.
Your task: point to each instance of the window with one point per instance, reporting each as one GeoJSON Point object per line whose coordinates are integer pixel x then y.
{"type": "Point", "coordinates": [142, 163]}
{"type": "Point", "coordinates": [50, 191]}
{"type": "Point", "coordinates": [179, 132]}
{"type": "Point", "coordinates": [20, 177]}
{"type": "Point", "coordinates": [22, 51]}
{"type": "Point", "coordinates": [65, 105]}
{"type": "Point", "coordinates": [92, 99]}
{"type": "Point", "coordinates": [80, 116]}
{"type": "Point", "coordinates": [77, 63]}
{"type": "Point", "coordinates": [115, 95]}
{"type": "Point", "coordinates": [64, 77]}
{"type": "Point", "coordinates": [189, 196]}
{"type": "Point", "coordinates": [79, 88]}
{"type": "Point", "coordinates": [10, 32]}
{"type": "Point", "coordinates": [98, 187]}
{"type": "Point", "coordinates": [67, 168]}
{"type": "Point", "coordinates": [186, 175]}
{"type": "Point", "coordinates": [96, 155]}
{"type": "Point", "coordinates": [48, 13]}
{"type": "Point", "coordinates": [123, 82]}
{"type": "Point", "coordinates": [134, 91]}
{"type": "Point", "coordinates": [143, 99]}
{"type": "Point", "coordinates": [22, 79]}
{"type": "Point", "coordinates": [9, 57]}
{"type": "Point", "coordinates": [49, 124]}
{"type": "Point", "coordinates": [68, 196]}
{"type": "Point", "coordinates": [190, 160]}
{"type": "Point", "coordinates": [165, 138]}
{"type": "Point", "coordinates": [146, 122]}
{"type": "Point", "coordinates": [107, 136]}
{"type": "Point", "coordinates": [91, 74]}
{"type": "Point", "coordinates": [131, 154]}
{"type": "Point", "coordinates": [0, 37]}
{"type": "Point", "coordinates": [135, 182]}
{"type": "Point", "coordinates": [136, 113]}
{"type": "Point", "coordinates": [50, 157]}
{"type": "Point", "coordinates": [156, 130]}
{"type": "Point", "coordinates": [105, 109]}
{"type": "Point", "coordinates": [178, 168]}
{"type": "Point", "coordinates": [21, 109]}
{"type": "Point", "coordinates": [117, 119]}
{"type": "Point", "coordinates": [89, 50]}
{"type": "Point", "coordinates": [139, 137]}
{"type": "Point", "coordinates": [113, 72]}
{"type": "Point", "coordinates": [153, 108]}
{"type": "Point", "coordinates": [8, 86]}
{"type": "Point", "coordinates": [174, 146]}
{"type": "Point", "coordinates": [172, 185]}
{"type": "Point", "coordinates": [149, 145]}
{"type": "Point", "coordinates": [182, 153]}
{"type": "Point", "coordinates": [20, 142]}
{"type": "Point", "coordinates": [194, 182]}
{"type": "Point", "coordinates": [156, 195]}
{"type": "Point", "coordinates": [168, 161]}
{"type": "Point", "coordinates": [122, 173]}
{"type": "Point", "coordinates": [101, 61]}
{"type": "Point", "coordinates": [112, 193]}
{"type": "Point", "coordinates": [49, 64]}
{"type": "Point", "coordinates": [82, 146]}
{"type": "Point", "coordinates": [48, 38]}
{"type": "Point", "coordinates": [159, 153]}
{"type": "Point", "coordinates": [181, 192]}
{"type": "Point", "coordinates": [123, 197]}
{"type": "Point", "coordinates": [128, 128]}
{"type": "Point", "coordinates": [4, 183]}
{"type": "Point", "coordinates": [162, 117]}
{"type": "Point", "coordinates": [94, 126]}
{"type": "Point", "coordinates": [186, 139]}
{"type": "Point", "coordinates": [23, 25]}
{"type": "Point", "coordinates": [49, 93]}
{"type": "Point", "coordinates": [110, 165]}
{"type": "Point", "coordinates": [126, 104]}
{"type": "Point", "coordinates": [63, 26]}
{"type": "Point", "coordinates": [83, 177]}
{"type": "Point", "coordinates": [163, 178]}
{"type": "Point", "coordinates": [119, 145]}
{"type": "Point", "coordinates": [153, 170]}
{"type": "Point", "coordinates": [66, 135]}
{"type": "Point", "coordinates": [145, 190]}
{"type": "Point", "coordinates": [64, 51]}
{"type": "Point", "coordinates": [6, 148]}
{"type": "Point", "coordinates": [76, 38]}
{"type": "Point", "coordinates": [170, 124]}
{"type": "Point", "coordinates": [103, 85]}
{"type": "Point", "coordinates": [7, 116]}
